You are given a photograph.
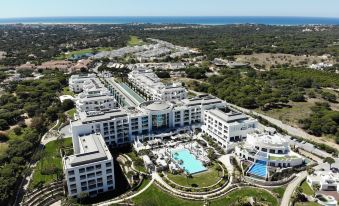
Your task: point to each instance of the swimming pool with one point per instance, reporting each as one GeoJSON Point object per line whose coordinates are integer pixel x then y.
{"type": "Point", "coordinates": [187, 161]}
{"type": "Point", "coordinates": [259, 169]}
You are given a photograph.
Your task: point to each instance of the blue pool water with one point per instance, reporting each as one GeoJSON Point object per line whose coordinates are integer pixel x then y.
{"type": "Point", "coordinates": [259, 169]}
{"type": "Point", "coordinates": [189, 162]}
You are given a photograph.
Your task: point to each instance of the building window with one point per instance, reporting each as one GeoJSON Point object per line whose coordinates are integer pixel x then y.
{"type": "Point", "coordinates": [98, 167]}
{"type": "Point", "coordinates": [110, 182]}
{"type": "Point", "coordinates": [74, 191]}
{"type": "Point", "coordinates": [81, 170]}
{"type": "Point", "coordinates": [83, 188]}
{"type": "Point", "coordinates": [71, 172]}
{"type": "Point", "coordinates": [91, 175]}
{"type": "Point", "coordinates": [109, 164]}
{"type": "Point", "coordinates": [83, 184]}
{"type": "Point", "coordinates": [99, 173]}
{"type": "Point", "coordinates": [72, 179]}
{"type": "Point", "coordinates": [91, 168]}
{"type": "Point", "coordinates": [83, 177]}
{"type": "Point", "coordinates": [109, 177]}
{"type": "Point", "coordinates": [109, 171]}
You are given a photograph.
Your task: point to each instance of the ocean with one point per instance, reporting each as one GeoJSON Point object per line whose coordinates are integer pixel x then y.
{"type": "Point", "coordinates": [204, 20]}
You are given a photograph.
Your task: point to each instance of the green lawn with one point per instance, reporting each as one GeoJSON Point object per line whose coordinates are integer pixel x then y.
{"type": "Point", "coordinates": [203, 179]}
{"type": "Point", "coordinates": [306, 188]}
{"type": "Point", "coordinates": [260, 195]}
{"type": "Point", "coordinates": [51, 160]}
{"type": "Point", "coordinates": [71, 112]}
{"type": "Point", "coordinates": [134, 41]}
{"type": "Point", "coordinates": [155, 196]}
{"type": "Point", "coordinates": [279, 191]}
{"type": "Point", "coordinates": [66, 91]}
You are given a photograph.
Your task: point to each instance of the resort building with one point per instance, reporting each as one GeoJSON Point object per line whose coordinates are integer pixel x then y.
{"type": "Point", "coordinates": [76, 82]}
{"type": "Point", "coordinates": [148, 120]}
{"type": "Point", "coordinates": [91, 169]}
{"type": "Point", "coordinates": [267, 149]}
{"type": "Point", "coordinates": [227, 126]}
{"type": "Point", "coordinates": [95, 100]}
{"type": "Point", "coordinates": [327, 180]}
{"type": "Point", "coordinates": [149, 83]}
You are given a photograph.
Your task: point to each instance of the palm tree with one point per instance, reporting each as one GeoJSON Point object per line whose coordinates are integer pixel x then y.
{"type": "Point", "coordinates": [329, 160]}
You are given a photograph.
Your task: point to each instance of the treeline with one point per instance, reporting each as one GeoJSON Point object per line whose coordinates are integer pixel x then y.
{"type": "Point", "coordinates": [229, 40]}
{"type": "Point", "coordinates": [322, 121]}
{"type": "Point", "coordinates": [39, 100]}
{"type": "Point", "coordinates": [40, 43]}
{"type": "Point", "coordinates": [266, 90]}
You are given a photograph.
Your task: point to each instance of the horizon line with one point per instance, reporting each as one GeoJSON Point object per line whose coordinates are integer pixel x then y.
{"type": "Point", "coordinates": [156, 16]}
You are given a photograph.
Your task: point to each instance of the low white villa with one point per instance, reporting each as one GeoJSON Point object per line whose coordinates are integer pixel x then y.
{"type": "Point", "coordinates": [267, 149]}
{"type": "Point", "coordinates": [327, 180]}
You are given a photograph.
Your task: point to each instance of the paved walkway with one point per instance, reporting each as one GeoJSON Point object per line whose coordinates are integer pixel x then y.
{"type": "Point", "coordinates": [291, 130]}
{"type": "Point", "coordinates": [291, 187]}
{"type": "Point", "coordinates": [126, 198]}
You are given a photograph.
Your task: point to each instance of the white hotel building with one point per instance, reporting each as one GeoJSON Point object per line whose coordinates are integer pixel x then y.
{"type": "Point", "coordinates": [91, 169]}
{"type": "Point", "coordinates": [227, 126]}
{"type": "Point", "coordinates": [150, 119]}
{"type": "Point", "coordinates": [76, 82]}
{"type": "Point", "coordinates": [148, 82]}
{"type": "Point", "coordinates": [98, 122]}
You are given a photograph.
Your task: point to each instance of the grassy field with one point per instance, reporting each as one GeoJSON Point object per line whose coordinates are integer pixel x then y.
{"type": "Point", "coordinates": [155, 196]}
{"type": "Point", "coordinates": [134, 41]}
{"type": "Point", "coordinates": [203, 179]}
{"type": "Point", "coordinates": [291, 116]}
{"type": "Point", "coordinates": [51, 159]}
{"type": "Point", "coordinates": [306, 188]}
{"type": "Point", "coordinates": [66, 91]}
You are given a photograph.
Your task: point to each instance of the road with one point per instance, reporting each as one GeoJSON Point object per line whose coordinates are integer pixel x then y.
{"type": "Point", "coordinates": [290, 130]}
{"type": "Point", "coordinates": [291, 187]}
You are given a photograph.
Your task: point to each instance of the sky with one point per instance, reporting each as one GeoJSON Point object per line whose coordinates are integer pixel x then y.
{"type": "Point", "coordinates": [54, 8]}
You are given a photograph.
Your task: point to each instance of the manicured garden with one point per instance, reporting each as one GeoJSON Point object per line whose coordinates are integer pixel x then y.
{"type": "Point", "coordinates": [137, 161]}
{"type": "Point", "coordinates": [204, 179]}
{"type": "Point", "coordinates": [49, 167]}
